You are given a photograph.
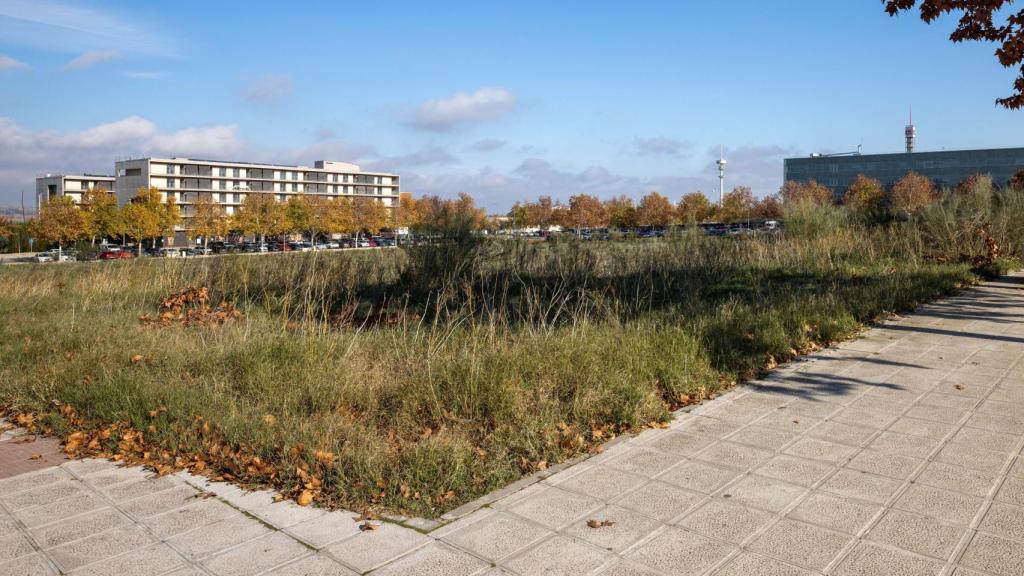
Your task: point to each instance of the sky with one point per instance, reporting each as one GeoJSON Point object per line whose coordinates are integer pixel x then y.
{"type": "Point", "coordinates": [504, 101]}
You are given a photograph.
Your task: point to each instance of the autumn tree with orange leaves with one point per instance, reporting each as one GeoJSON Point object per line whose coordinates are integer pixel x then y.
{"type": "Point", "coordinates": [695, 207]}
{"type": "Point", "coordinates": [798, 192]}
{"type": "Point", "coordinates": [865, 195]}
{"type": "Point", "coordinates": [586, 211]}
{"type": "Point", "coordinates": [978, 21]}
{"type": "Point", "coordinates": [738, 205]}
{"type": "Point", "coordinates": [655, 210]}
{"type": "Point", "coordinates": [912, 193]}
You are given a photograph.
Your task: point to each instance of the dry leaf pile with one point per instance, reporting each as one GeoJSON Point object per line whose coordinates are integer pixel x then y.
{"type": "Point", "coordinates": [191, 307]}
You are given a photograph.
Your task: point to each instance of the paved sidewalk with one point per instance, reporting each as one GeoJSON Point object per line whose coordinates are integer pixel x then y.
{"type": "Point", "coordinates": [895, 454]}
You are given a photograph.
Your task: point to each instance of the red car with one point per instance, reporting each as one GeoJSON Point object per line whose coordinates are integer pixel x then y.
{"type": "Point", "coordinates": [116, 255]}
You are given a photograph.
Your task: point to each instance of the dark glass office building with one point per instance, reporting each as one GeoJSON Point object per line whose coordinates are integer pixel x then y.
{"type": "Point", "coordinates": [945, 169]}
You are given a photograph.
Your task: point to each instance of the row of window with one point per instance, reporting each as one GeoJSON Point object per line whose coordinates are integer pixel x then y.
{"type": "Point", "coordinates": [206, 184]}
{"type": "Point", "coordinates": [225, 172]}
{"type": "Point", "coordinates": [221, 197]}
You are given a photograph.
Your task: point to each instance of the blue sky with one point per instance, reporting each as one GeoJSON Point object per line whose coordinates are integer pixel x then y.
{"type": "Point", "coordinates": [504, 102]}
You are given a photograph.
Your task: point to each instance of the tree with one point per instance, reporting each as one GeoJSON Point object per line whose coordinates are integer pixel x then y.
{"type": "Point", "coordinates": [408, 211]}
{"type": "Point", "coordinates": [1017, 181]}
{"type": "Point", "coordinates": [864, 195]}
{"type": "Point", "coordinates": [974, 184]}
{"type": "Point", "coordinates": [340, 219]}
{"type": "Point", "coordinates": [518, 215]}
{"type": "Point", "coordinates": [59, 221]}
{"type": "Point", "coordinates": [139, 222]}
{"type": "Point", "coordinates": [796, 192]}
{"type": "Point", "coordinates": [169, 216]}
{"type": "Point", "coordinates": [695, 207]}
{"type": "Point", "coordinates": [541, 212]}
{"type": "Point", "coordinates": [208, 219]}
{"type": "Point", "coordinates": [6, 229]}
{"type": "Point", "coordinates": [912, 193]}
{"type": "Point", "coordinates": [769, 208]}
{"type": "Point", "coordinates": [655, 210]}
{"type": "Point", "coordinates": [586, 211]}
{"type": "Point", "coordinates": [978, 22]}
{"type": "Point", "coordinates": [261, 215]}
{"type": "Point", "coordinates": [621, 212]}
{"type": "Point", "coordinates": [101, 213]}
{"type": "Point", "coordinates": [738, 205]}
{"type": "Point", "coordinates": [468, 214]}
{"type": "Point", "coordinates": [369, 215]}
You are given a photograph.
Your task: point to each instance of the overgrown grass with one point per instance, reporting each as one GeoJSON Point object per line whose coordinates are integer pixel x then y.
{"type": "Point", "coordinates": [415, 381]}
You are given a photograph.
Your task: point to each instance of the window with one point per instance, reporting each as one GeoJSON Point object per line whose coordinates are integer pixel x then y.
{"type": "Point", "coordinates": [334, 177]}
{"type": "Point", "coordinates": [236, 198]}
{"type": "Point", "coordinates": [234, 184]}
{"type": "Point", "coordinates": [170, 182]}
{"type": "Point", "coordinates": [295, 187]}
{"type": "Point", "coordinates": [223, 172]}
{"type": "Point", "coordinates": [170, 168]}
{"type": "Point", "coordinates": [234, 172]}
{"type": "Point", "coordinates": [222, 184]}
{"type": "Point", "coordinates": [222, 197]}
{"type": "Point", "coordinates": [280, 197]}
{"type": "Point", "coordinates": [295, 175]}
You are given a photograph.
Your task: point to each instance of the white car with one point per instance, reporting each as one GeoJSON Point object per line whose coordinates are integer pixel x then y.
{"type": "Point", "coordinates": [45, 257]}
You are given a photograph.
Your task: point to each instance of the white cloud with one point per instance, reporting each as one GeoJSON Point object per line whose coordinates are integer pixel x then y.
{"type": "Point", "coordinates": [269, 88]}
{"type": "Point", "coordinates": [24, 154]}
{"type": "Point", "coordinates": [8, 63]}
{"type": "Point", "coordinates": [488, 145]}
{"type": "Point", "coordinates": [140, 75]}
{"type": "Point", "coordinates": [70, 27]}
{"type": "Point", "coordinates": [464, 108]}
{"type": "Point", "coordinates": [90, 59]}
{"type": "Point", "coordinates": [659, 146]}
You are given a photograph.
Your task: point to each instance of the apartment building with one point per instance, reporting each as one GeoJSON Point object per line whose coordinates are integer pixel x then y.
{"type": "Point", "coordinates": [228, 183]}
{"type": "Point", "coordinates": [54, 186]}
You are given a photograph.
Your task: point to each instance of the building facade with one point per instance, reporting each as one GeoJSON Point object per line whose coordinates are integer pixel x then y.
{"type": "Point", "coordinates": [945, 169]}
{"type": "Point", "coordinates": [53, 186]}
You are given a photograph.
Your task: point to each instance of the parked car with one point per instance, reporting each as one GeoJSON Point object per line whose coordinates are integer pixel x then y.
{"type": "Point", "coordinates": [45, 257]}
{"type": "Point", "coordinates": [334, 244]}
{"type": "Point", "coordinates": [116, 255]}
{"type": "Point", "coordinates": [170, 252]}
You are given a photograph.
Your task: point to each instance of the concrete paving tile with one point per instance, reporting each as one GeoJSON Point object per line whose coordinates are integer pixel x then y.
{"type": "Point", "coordinates": [43, 494]}
{"type": "Point", "coordinates": [323, 530]}
{"type": "Point", "coordinates": [1004, 520]}
{"type": "Point", "coordinates": [764, 493]}
{"type": "Point", "coordinates": [372, 548]}
{"type": "Point", "coordinates": [916, 533]}
{"type": "Point", "coordinates": [681, 443]}
{"type": "Point", "coordinates": [644, 462]}
{"type": "Point", "coordinates": [802, 544]}
{"type": "Point", "coordinates": [874, 560]}
{"type": "Point", "coordinates": [861, 485]}
{"type": "Point", "coordinates": [842, 433]}
{"type": "Point", "coordinates": [835, 512]}
{"type": "Point", "coordinates": [972, 456]}
{"type": "Point", "coordinates": [991, 406]}
{"type": "Point", "coordinates": [994, 555]}
{"type": "Point", "coordinates": [737, 413]}
{"type": "Point", "coordinates": [724, 521]}
{"type": "Point", "coordinates": [14, 546]}
{"type": "Point", "coordinates": [558, 556]}
{"type": "Point", "coordinates": [815, 408]}
{"type": "Point", "coordinates": [865, 418]}
{"type": "Point", "coordinates": [627, 528]}
{"type": "Point", "coordinates": [555, 507]}
{"type": "Point", "coordinates": [112, 475]}
{"type": "Point", "coordinates": [789, 422]}
{"type": "Point", "coordinates": [286, 513]}
{"type": "Point", "coordinates": [434, 560]}
{"type": "Point", "coordinates": [794, 470]}
{"type": "Point", "coordinates": [956, 478]}
{"type": "Point", "coordinates": [1012, 491]}
{"type": "Point", "coordinates": [316, 565]}
{"type": "Point", "coordinates": [182, 520]}
{"type": "Point", "coordinates": [937, 413]}
{"type": "Point", "coordinates": [31, 565]}
{"type": "Point", "coordinates": [31, 480]}
{"type": "Point", "coordinates": [946, 400]}
{"type": "Point", "coordinates": [59, 509]}
{"type": "Point", "coordinates": [623, 568]}
{"type": "Point", "coordinates": [950, 507]}
{"type": "Point", "coordinates": [926, 428]}
{"type": "Point", "coordinates": [497, 536]}
{"type": "Point", "coordinates": [1018, 467]}
{"type": "Point", "coordinates": [904, 444]}
{"type": "Point", "coordinates": [882, 464]}
{"type": "Point", "coordinates": [256, 556]}
{"type": "Point", "coordinates": [704, 426]}
{"type": "Point", "coordinates": [213, 538]}
{"type": "Point", "coordinates": [86, 466]}
{"type": "Point", "coordinates": [733, 455]}
{"type": "Point", "coordinates": [680, 552]}
{"type": "Point", "coordinates": [100, 546]}
{"type": "Point", "coordinates": [149, 561]}
{"type": "Point", "coordinates": [748, 564]}
{"type": "Point", "coordinates": [161, 501]}
{"type": "Point", "coordinates": [763, 437]}
{"type": "Point", "coordinates": [130, 490]}
{"type": "Point", "coordinates": [659, 500]}
{"type": "Point", "coordinates": [601, 482]}
{"type": "Point", "coordinates": [69, 529]}
{"type": "Point", "coordinates": [1005, 423]}
{"type": "Point", "coordinates": [698, 476]}
{"type": "Point", "coordinates": [822, 450]}
{"type": "Point", "coordinates": [249, 499]}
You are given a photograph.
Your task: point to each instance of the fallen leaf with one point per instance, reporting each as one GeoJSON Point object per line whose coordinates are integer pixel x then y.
{"type": "Point", "coordinates": [35, 457]}
{"type": "Point", "coordinates": [270, 419]}
{"type": "Point", "coordinates": [600, 523]}
{"type": "Point", "coordinates": [368, 526]}
{"type": "Point", "coordinates": [136, 358]}
{"type": "Point", "coordinates": [305, 498]}
{"type": "Point", "coordinates": [958, 386]}
{"type": "Point", "coordinates": [542, 465]}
